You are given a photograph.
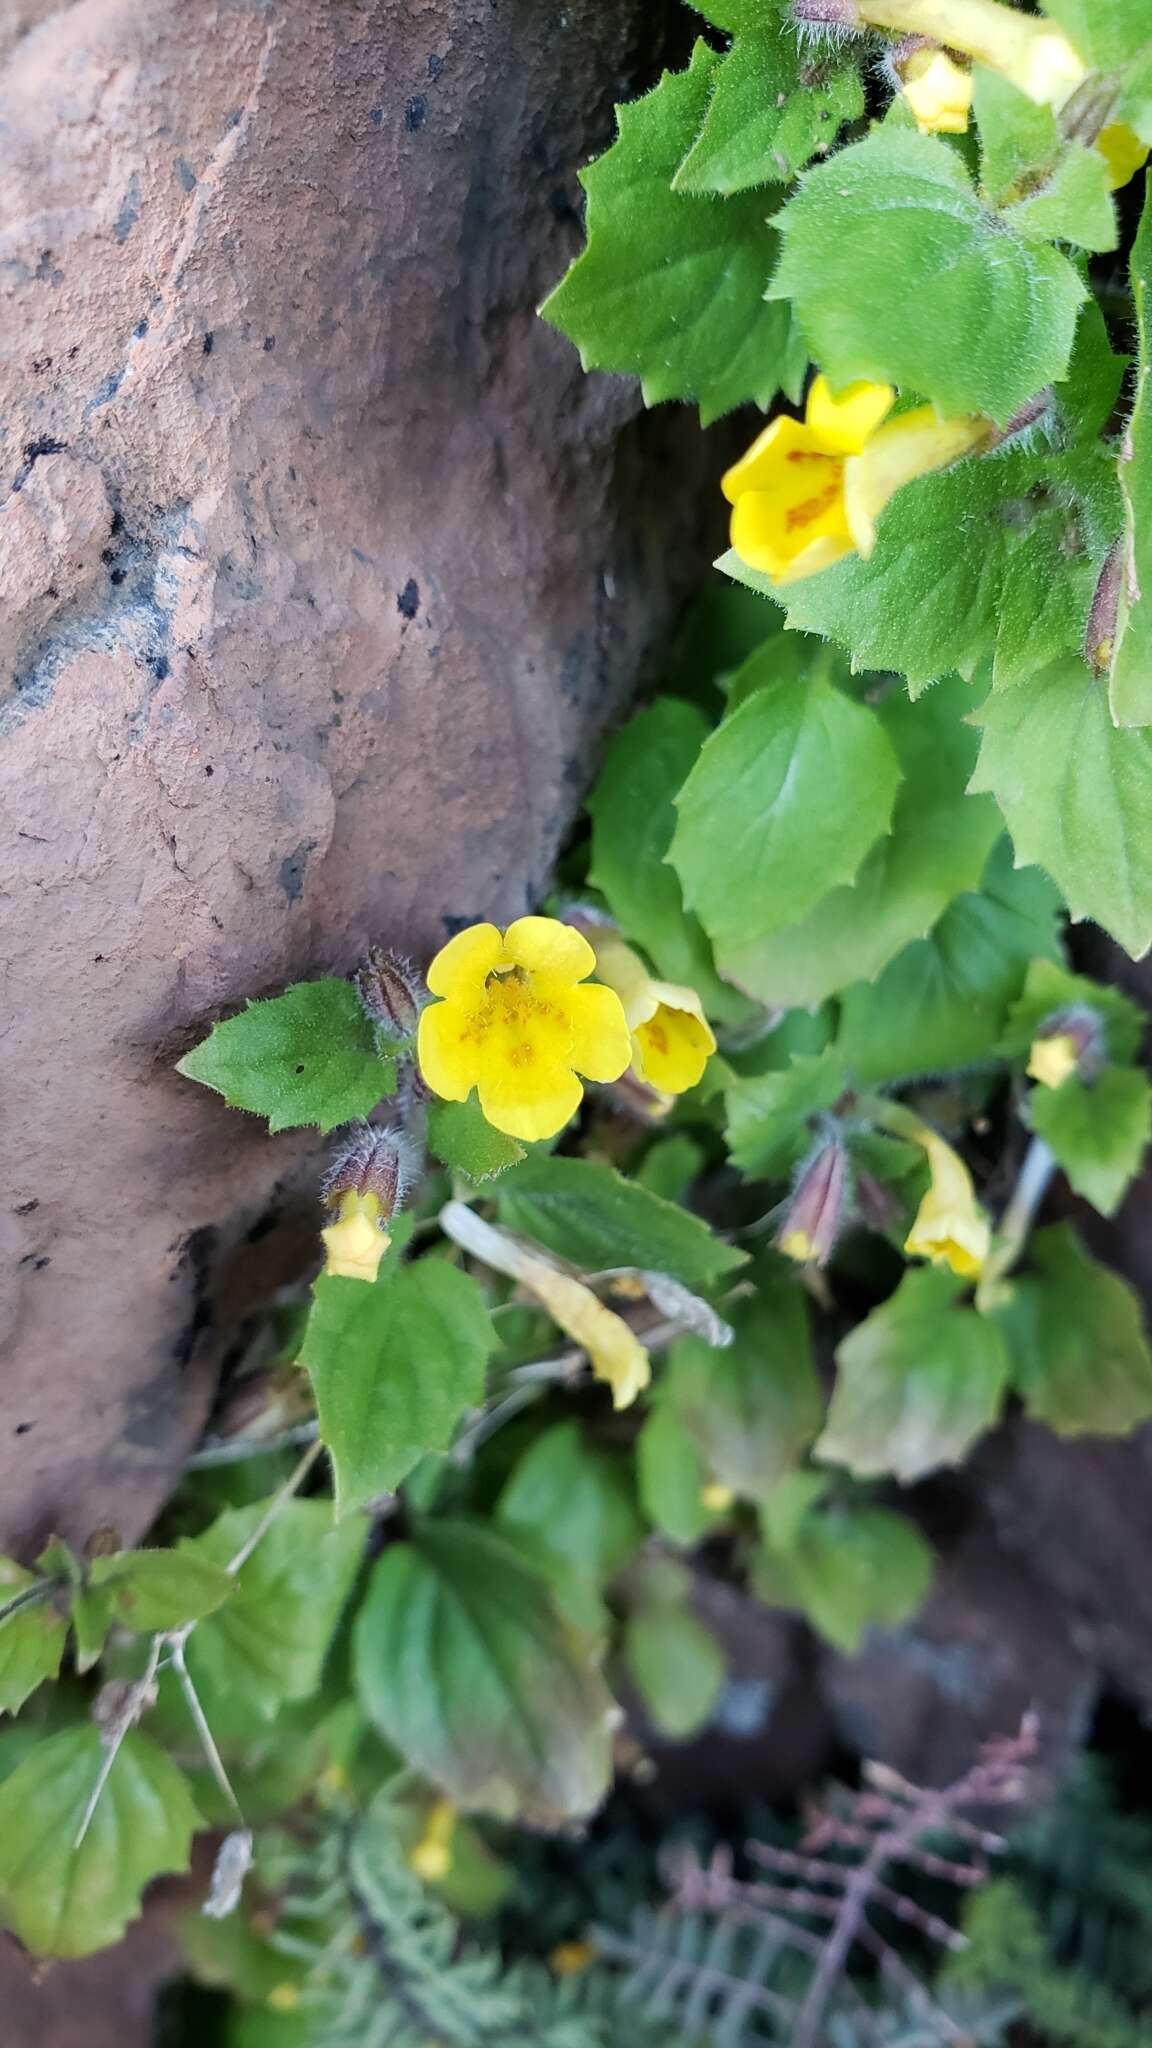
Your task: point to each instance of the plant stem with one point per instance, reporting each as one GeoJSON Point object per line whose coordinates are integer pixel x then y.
{"type": "Point", "coordinates": [1016, 1223]}
{"type": "Point", "coordinates": [207, 1739]}
{"type": "Point", "coordinates": [276, 1505]}
{"type": "Point", "coordinates": [237, 1449]}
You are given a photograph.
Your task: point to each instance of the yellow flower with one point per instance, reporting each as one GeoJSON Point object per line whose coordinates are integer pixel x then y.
{"type": "Point", "coordinates": [431, 1858]}
{"type": "Point", "coordinates": [1122, 151]}
{"type": "Point", "coordinates": [716, 1498]}
{"type": "Point", "coordinates": [809, 492]}
{"type": "Point", "coordinates": [1052, 1060]}
{"type": "Point", "coordinates": [951, 1228]}
{"type": "Point", "coordinates": [283, 1997]}
{"type": "Point", "coordinates": [357, 1241]}
{"type": "Point", "coordinates": [938, 90]}
{"type": "Point", "coordinates": [516, 1024]}
{"type": "Point", "coordinates": [568, 1958]}
{"type": "Point", "coordinates": [671, 1037]}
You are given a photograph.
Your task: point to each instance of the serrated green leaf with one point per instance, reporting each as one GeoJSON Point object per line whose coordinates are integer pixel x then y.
{"type": "Point", "coordinates": [671, 285]}
{"type": "Point", "coordinates": [592, 1216]}
{"type": "Point", "coordinates": [61, 1900]}
{"type": "Point", "coordinates": [893, 223]}
{"type": "Point", "coordinates": [671, 1475]}
{"type": "Point", "coordinates": [772, 1117]}
{"type": "Point", "coordinates": [1098, 1130]}
{"type": "Point", "coordinates": [1130, 685]}
{"type": "Point", "coordinates": [677, 1666]}
{"type": "Point", "coordinates": [917, 1382]}
{"type": "Point", "coordinates": [786, 799]}
{"type": "Point", "coordinates": [576, 1499]}
{"type": "Point", "coordinates": [460, 1135]}
{"type": "Point", "coordinates": [464, 1662]}
{"type": "Point", "coordinates": [1074, 204]}
{"type": "Point", "coordinates": [1087, 396]}
{"type": "Point", "coordinates": [998, 555]}
{"type": "Point", "coordinates": [394, 1365]}
{"type": "Point", "coordinates": [306, 1057]}
{"type": "Point", "coordinates": [1080, 1359]}
{"type": "Point", "coordinates": [937, 848]}
{"type": "Point", "coordinates": [1076, 794]}
{"type": "Point", "coordinates": [1049, 988]}
{"type": "Point", "coordinates": [143, 1590]}
{"type": "Point", "coordinates": [775, 106]}
{"type": "Point", "coordinates": [267, 1644]}
{"type": "Point", "coordinates": [943, 1002]}
{"type": "Point", "coordinates": [848, 1568]}
{"type": "Point", "coordinates": [633, 819]}
{"type": "Point", "coordinates": [31, 1637]}
{"type": "Point", "coordinates": [1045, 184]}
{"type": "Point", "coordinates": [754, 1407]}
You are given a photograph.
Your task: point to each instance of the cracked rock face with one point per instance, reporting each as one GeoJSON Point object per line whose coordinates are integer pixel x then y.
{"type": "Point", "coordinates": [322, 570]}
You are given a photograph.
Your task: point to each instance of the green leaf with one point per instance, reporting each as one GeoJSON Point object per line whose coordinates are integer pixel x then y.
{"type": "Point", "coordinates": [394, 1365]}
{"type": "Point", "coordinates": [847, 1569]}
{"type": "Point", "coordinates": [670, 1166]}
{"type": "Point", "coordinates": [1050, 988]}
{"type": "Point", "coordinates": [1131, 663]}
{"type": "Point", "coordinates": [787, 796]}
{"type": "Point", "coordinates": [1076, 795]}
{"type": "Point", "coordinates": [998, 555]}
{"type": "Point", "coordinates": [461, 1136]}
{"type": "Point", "coordinates": [1098, 1130]}
{"type": "Point", "coordinates": [633, 818]}
{"type": "Point", "coordinates": [1080, 1360]}
{"type": "Point", "coordinates": [671, 285]}
{"type": "Point", "coordinates": [677, 1666]}
{"type": "Point", "coordinates": [576, 1499]}
{"type": "Point", "coordinates": [755, 1407]}
{"type": "Point", "coordinates": [774, 107]}
{"type": "Point", "coordinates": [306, 1057]}
{"type": "Point", "coordinates": [671, 1475]}
{"type": "Point", "coordinates": [917, 1382]}
{"type": "Point", "coordinates": [61, 1900]}
{"type": "Point", "coordinates": [144, 1590]}
{"type": "Point", "coordinates": [893, 224]}
{"type": "Point", "coordinates": [937, 848]}
{"type": "Point", "coordinates": [464, 1662]}
{"type": "Point", "coordinates": [772, 1117]}
{"type": "Point", "coordinates": [592, 1216]}
{"type": "Point", "coordinates": [268, 1643]}
{"type": "Point", "coordinates": [1106, 33]}
{"type": "Point", "coordinates": [31, 1637]}
{"type": "Point", "coordinates": [943, 1002]}
{"type": "Point", "coordinates": [1045, 184]}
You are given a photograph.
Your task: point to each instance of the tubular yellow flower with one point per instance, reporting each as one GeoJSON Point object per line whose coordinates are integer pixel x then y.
{"type": "Point", "coordinates": [1122, 151]}
{"type": "Point", "coordinates": [671, 1037]}
{"type": "Point", "coordinates": [1031, 52]}
{"type": "Point", "coordinates": [809, 492]}
{"type": "Point", "coordinates": [516, 1024]}
{"type": "Point", "coordinates": [938, 90]}
{"type": "Point", "coordinates": [357, 1241]}
{"type": "Point", "coordinates": [951, 1228]}
{"type": "Point", "coordinates": [431, 1857]}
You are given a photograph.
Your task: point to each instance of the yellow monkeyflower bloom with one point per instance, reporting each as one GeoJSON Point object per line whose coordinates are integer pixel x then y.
{"type": "Point", "coordinates": [716, 1498]}
{"type": "Point", "coordinates": [809, 492]}
{"type": "Point", "coordinates": [357, 1241]}
{"type": "Point", "coordinates": [283, 1997]}
{"type": "Point", "coordinates": [951, 1228]}
{"type": "Point", "coordinates": [516, 1024]}
{"type": "Point", "coordinates": [431, 1857]}
{"type": "Point", "coordinates": [672, 1040]}
{"type": "Point", "coordinates": [938, 90]}
{"type": "Point", "coordinates": [1122, 151]}
{"type": "Point", "coordinates": [1053, 1060]}
{"type": "Point", "coordinates": [569, 1958]}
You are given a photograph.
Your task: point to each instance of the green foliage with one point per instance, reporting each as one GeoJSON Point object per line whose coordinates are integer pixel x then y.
{"type": "Point", "coordinates": [774, 107]}
{"type": "Point", "coordinates": [1079, 1357]}
{"type": "Point", "coordinates": [671, 1474]}
{"type": "Point", "coordinates": [460, 1135]}
{"type": "Point", "coordinates": [575, 1500]}
{"type": "Point", "coordinates": [676, 1665]}
{"type": "Point", "coordinates": [1130, 664]}
{"type": "Point", "coordinates": [306, 1057]}
{"type": "Point", "coordinates": [591, 1215]}
{"type": "Point", "coordinates": [754, 1407]}
{"type": "Point", "coordinates": [846, 1567]}
{"type": "Point", "coordinates": [465, 1663]}
{"type": "Point", "coordinates": [1098, 1129]}
{"type": "Point", "coordinates": [395, 1365]}
{"type": "Point", "coordinates": [32, 1635]}
{"type": "Point", "coordinates": [1049, 989]}
{"type": "Point", "coordinates": [144, 1590]}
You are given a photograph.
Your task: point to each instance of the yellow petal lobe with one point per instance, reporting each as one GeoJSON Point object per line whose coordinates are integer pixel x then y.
{"type": "Point", "coordinates": [912, 445]}
{"type": "Point", "coordinates": [950, 1228]}
{"type": "Point", "coordinates": [938, 90]}
{"type": "Point", "coordinates": [357, 1241]}
{"type": "Point", "coordinates": [1053, 1060]}
{"type": "Point", "coordinates": [448, 1050]}
{"type": "Point", "coordinates": [1122, 151]}
{"type": "Point", "coordinates": [845, 424]}
{"type": "Point", "coordinates": [461, 966]}
{"type": "Point", "coordinates": [600, 1045]}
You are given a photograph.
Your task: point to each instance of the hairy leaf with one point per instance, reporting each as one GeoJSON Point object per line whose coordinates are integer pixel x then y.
{"type": "Point", "coordinates": [1099, 1131]}
{"type": "Point", "coordinates": [460, 1135]}
{"type": "Point", "coordinates": [1080, 1360]}
{"type": "Point", "coordinates": [756, 1406]}
{"type": "Point", "coordinates": [31, 1638]}
{"type": "Point", "coordinates": [1131, 653]}
{"type": "Point", "coordinates": [306, 1057]}
{"type": "Point", "coordinates": [591, 1215]}
{"type": "Point", "coordinates": [144, 1590]}
{"type": "Point", "coordinates": [575, 1498]}
{"type": "Point", "coordinates": [775, 106]}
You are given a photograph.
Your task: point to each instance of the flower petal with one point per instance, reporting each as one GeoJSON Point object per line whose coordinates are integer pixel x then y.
{"type": "Point", "coordinates": [909, 446]}
{"type": "Point", "coordinates": [542, 945]}
{"type": "Point", "coordinates": [447, 1051]}
{"type": "Point", "coordinates": [624, 971]}
{"type": "Point", "coordinates": [843, 424]}
{"type": "Point", "coordinates": [601, 1046]}
{"type": "Point", "coordinates": [529, 1102]}
{"type": "Point", "coordinates": [672, 1050]}
{"type": "Point", "coordinates": [460, 967]}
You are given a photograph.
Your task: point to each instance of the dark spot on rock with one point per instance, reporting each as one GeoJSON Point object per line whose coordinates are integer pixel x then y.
{"type": "Point", "coordinates": [184, 175]}
{"type": "Point", "coordinates": [208, 768]}
{"type": "Point", "coordinates": [40, 363]}
{"type": "Point", "coordinates": [105, 390]}
{"type": "Point", "coordinates": [561, 207]}
{"type": "Point", "coordinates": [452, 925]}
{"type": "Point", "coordinates": [33, 450]}
{"type": "Point", "coordinates": [37, 1261]}
{"type": "Point", "coordinates": [435, 67]}
{"type": "Point", "coordinates": [160, 666]}
{"type": "Point", "coordinates": [73, 351]}
{"type": "Point", "coordinates": [140, 329]}
{"type": "Point", "coordinates": [292, 870]}
{"type": "Point", "coordinates": [129, 211]}
{"type": "Point", "coordinates": [26, 1208]}
{"type": "Point", "coordinates": [408, 599]}
{"type": "Point", "coordinates": [22, 1428]}
{"type": "Point", "coordinates": [52, 591]}
{"type": "Point", "coordinates": [337, 696]}
{"type": "Point", "coordinates": [45, 271]}
{"type": "Point", "coordinates": [117, 576]}
{"type": "Point", "coordinates": [415, 113]}
{"type": "Point", "coordinates": [208, 343]}
{"type": "Point", "coordinates": [269, 343]}
{"type": "Point", "coordinates": [97, 959]}
{"type": "Point", "coordinates": [262, 1227]}
{"type": "Point", "coordinates": [377, 117]}
{"type": "Point", "coordinates": [196, 1257]}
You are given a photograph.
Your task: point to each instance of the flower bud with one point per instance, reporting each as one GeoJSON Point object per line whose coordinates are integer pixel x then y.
{"type": "Point", "coordinates": [392, 991]}
{"type": "Point", "coordinates": [936, 88]}
{"type": "Point", "coordinates": [815, 1212]}
{"type": "Point", "coordinates": [950, 1227]}
{"type": "Point", "coordinates": [1100, 632]}
{"type": "Point", "coordinates": [431, 1857]}
{"type": "Point", "coordinates": [1069, 1042]}
{"type": "Point", "coordinates": [840, 17]}
{"type": "Point", "coordinates": [365, 1185]}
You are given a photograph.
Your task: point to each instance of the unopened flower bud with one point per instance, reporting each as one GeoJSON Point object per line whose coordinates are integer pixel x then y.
{"type": "Point", "coordinates": [1069, 1042]}
{"type": "Point", "coordinates": [815, 1212]}
{"type": "Point", "coordinates": [841, 17]}
{"type": "Point", "coordinates": [365, 1185]}
{"type": "Point", "coordinates": [878, 1207]}
{"type": "Point", "coordinates": [392, 991]}
{"type": "Point", "coordinates": [431, 1856]}
{"type": "Point", "coordinates": [1100, 632]}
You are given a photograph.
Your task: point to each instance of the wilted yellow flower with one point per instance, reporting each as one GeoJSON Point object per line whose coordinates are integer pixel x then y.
{"type": "Point", "coordinates": [1122, 151]}
{"type": "Point", "coordinates": [357, 1241]}
{"type": "Point", "coordinates": [431, 1856]}
{"type": "Point", "coordinates": [671, 1037]}
{"type": "Point", "coordinates": [951, 1228]}
{"type": "Point", "coordinates": [809, 492]}
{"type": "Point", "coordinates": [516, 1024]}
{"type": "Point", "coordinates": [1053, 1060]}
{"type": "Point", "coordinates": [938, 90]}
